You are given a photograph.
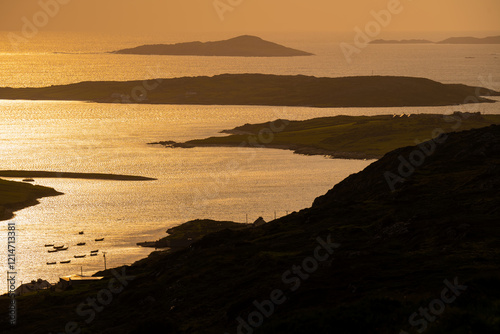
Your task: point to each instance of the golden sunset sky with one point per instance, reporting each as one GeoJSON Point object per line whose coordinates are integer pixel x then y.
{"type": "Point", "coordinates": [252, 15]}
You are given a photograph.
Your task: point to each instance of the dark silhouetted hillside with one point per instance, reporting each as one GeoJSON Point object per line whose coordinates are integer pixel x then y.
{"type": "Point", "coordinates": [385, 255]}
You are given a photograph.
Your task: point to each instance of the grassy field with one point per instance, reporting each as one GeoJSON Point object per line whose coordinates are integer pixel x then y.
{"type": "Point", "coordinates": [348, 136]}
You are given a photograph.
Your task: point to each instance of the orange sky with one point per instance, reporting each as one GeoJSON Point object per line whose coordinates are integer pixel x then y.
{"type": "Point", "coordinates": [253, 15]}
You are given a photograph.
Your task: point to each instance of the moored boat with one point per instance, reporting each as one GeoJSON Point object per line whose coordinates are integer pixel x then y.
{"type": "Point", "coordinates": [68, 261]}
{"type": "Point", "coordinates": [79, 256]}
{"type": "Point", "coordinates": [50, 263]}
{"type": "Point", "coordinates": [99, 239]}
{"type": "Point", "coordinates": [81, 244]}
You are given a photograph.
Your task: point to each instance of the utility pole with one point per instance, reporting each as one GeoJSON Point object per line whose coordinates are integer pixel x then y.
{"type": "Point", "coordinates": [104, 255]}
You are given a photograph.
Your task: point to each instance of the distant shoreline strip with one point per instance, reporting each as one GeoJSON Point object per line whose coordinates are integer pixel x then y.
{"type": "Point", "coordinates": [67, 175]}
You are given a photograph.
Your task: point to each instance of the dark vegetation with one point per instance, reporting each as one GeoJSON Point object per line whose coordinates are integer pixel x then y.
{"type": "Point", "coordinates": [396, 249]}
{"type": "Point", "coordinates": [263, 89]}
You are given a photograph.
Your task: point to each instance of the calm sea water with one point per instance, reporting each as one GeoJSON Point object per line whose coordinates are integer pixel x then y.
{"type": "Point", "coordinates": [57, 58]}
{"type": "Point", "coordinates": [217, 183]}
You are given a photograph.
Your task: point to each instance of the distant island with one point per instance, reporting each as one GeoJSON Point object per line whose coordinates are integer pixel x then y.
{"type": "Point", "coordinates": [344, 137]}
{"type": "Point", "coordinates": [242, 46]}
{"type": "Point", "coordinates": [471, 40]}
{"type": "Point", "coordinates": [266, 89]}
{"type": "Point", "coordinates": [403, 41]}
{"type": "Point", "coordinates": [66, 175]}
{"type": "Point", "coordinates": [452, 40]}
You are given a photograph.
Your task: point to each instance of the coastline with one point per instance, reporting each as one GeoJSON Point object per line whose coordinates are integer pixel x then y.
{"type": "Point", "coordinates": [29, 193]}
{"type": "Point", "coordinates": [342, 137]}
{"type": "Point", "coordinates": [297, 149]}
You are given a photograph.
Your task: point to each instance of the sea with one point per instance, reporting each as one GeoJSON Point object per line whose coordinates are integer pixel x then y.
{"type": "Point", "coordinates": [237, 184]}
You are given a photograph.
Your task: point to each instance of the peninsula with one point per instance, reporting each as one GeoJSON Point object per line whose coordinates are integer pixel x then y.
{"type": "Point", "coordinates": [265, 89]}
{"type": "Point", "coordinates": [343, 137]}
{"type": "Point", "coordinates": [15, 196]}
{"type": "Point", "coordinates": [242, 46]}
